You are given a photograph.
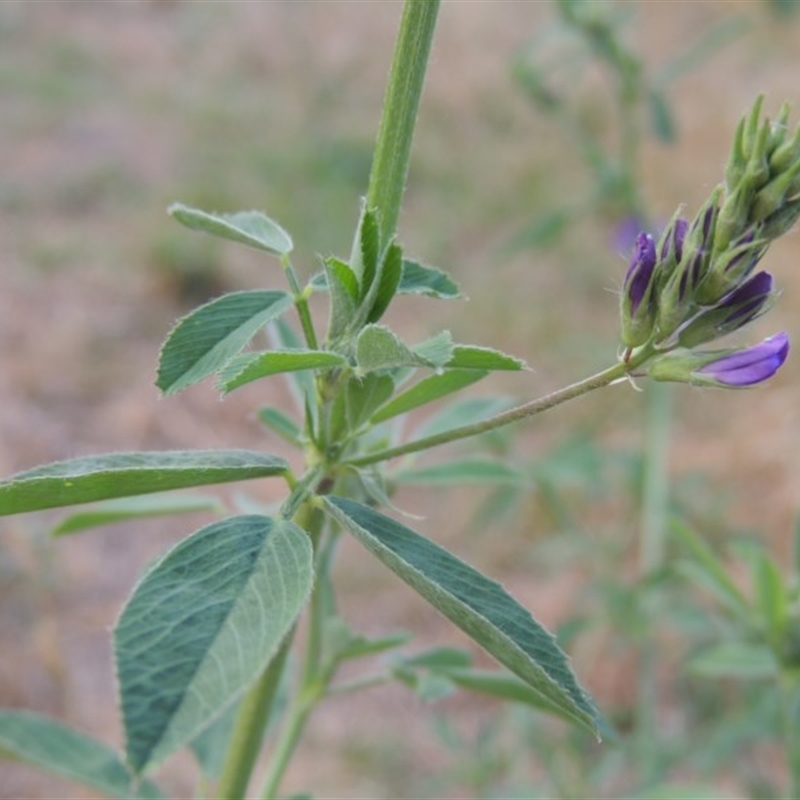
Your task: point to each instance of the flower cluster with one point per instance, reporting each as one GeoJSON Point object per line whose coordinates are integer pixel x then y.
{"type": "Point", "coordinates": [700, 281]}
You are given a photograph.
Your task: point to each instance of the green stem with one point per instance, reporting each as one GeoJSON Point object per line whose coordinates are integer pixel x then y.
{"type": "Point", "coordinates": [387, 177]}
{"type": "Point", "coordinates": [597, 381]}
{"type": "Point", "coordinates": [655, 507]}
{"type": "Point", "coordinates": [248, 732]}
{"type": "Point", "coordinates": [296, 720]}
{"type": "Point", "coordinates": [257, 704]}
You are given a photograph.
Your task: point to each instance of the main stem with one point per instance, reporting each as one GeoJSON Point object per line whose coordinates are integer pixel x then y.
{"type": "Point", "coordinates": [387, 178]}
{"type": "Point", "coordinates": [386, 184]}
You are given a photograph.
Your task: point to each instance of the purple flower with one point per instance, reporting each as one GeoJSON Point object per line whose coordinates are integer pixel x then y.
{"type": "Point", "coordinates": [749, 366]}
{"type": "Point", "coordinates": [640, 271]}
{"type": "Point", "coordinates": [747, 300]}
{"type": "Point", "coordinates": [671, 245]}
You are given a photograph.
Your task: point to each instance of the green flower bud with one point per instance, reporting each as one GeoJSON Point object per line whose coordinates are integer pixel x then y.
{"type": "Point", "coordinates": [781, 221]}
{"type": "Point", "coordinates": [773, 195]}
{"type": "Point", "coordinates": [676, 297]}
{"type": "Point", "coordinates": [731, 267]}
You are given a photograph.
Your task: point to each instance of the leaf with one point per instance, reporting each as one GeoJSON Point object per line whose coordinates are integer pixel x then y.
{"type": "Point", "coordinates": [419, 279]}
{"type": "Point", "coordinates": [249, 367]}
{"type": "Point", "coordinates": [438, 658]}
{"type": "Point", "coordinates": [127, 508]}
{"type": "Point", "coordinates": [343, 286]}
{"type": "Point", "coordinates": [471, 357]}
{"type": "Point", "coordinates": [366, 263]}
{"type": "Point", "coordinates": [378, 347]}
{"type": "Point", "coordinates": [770, 596]}
{"type": "Point", "coordinates": [207, 338]}
{"type": "Point", "coordinates": [503, 686]}
{"type": "Point", "coordinates": [710, 570]}
{"type": "Point", "coordinates": [390, 274]}
{"type": "Point", "coordinates": [735, 660]}
{"type": "Point", "coordinates": [343, 644]}
{"type": "Point", "coordinates": [280, 423]}
{"type": "Point", "coordinates": [661, 118]}
{"type": "Point", "coordinates": [363, 395]}
{"type": "Point", "coordinates": [472, 470]}
{"type": "Point", "coordinates": [86, 480]}
{"type": "Point", "coordinates": [436, 351]}
{"type": "Point", "coordinates": [51, 746]}
{"type": "Point", "coordinates": [428, 390]}
{"type": "Point", "coordinates": [246, 227]}
{"type": "Point", "coordinates": [473, 602]}
{"type": "Point", "coordinates": [202, 625]}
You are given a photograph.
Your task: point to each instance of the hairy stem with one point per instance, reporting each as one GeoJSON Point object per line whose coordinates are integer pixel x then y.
{"type": "Point", "coordinates": [529, 409]}
{"type": "Point", "coordinates": [387, 178]}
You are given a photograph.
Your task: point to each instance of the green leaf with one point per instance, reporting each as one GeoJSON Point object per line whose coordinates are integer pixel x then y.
{"type": "Point", "coordinates": [428, 390]}
{"type": "Point", "coordinates": [86, 480]}
{"type": "Point", "coordinates": [202, 625]}
{"type": "Point", "coordinates": [280, 423]}
{"type": "Point", "coordinates": [246, 227]}
{"type": "Point", "coordinates": [709, 570]}
{"type": "Point", "coordinates": [343, 286]}
{"type": "Point", "coordinates": [473, 602]}
{"type": "Point", "coordinates": [52, 747]}
{"type": "Point", "coordinates": [367, 256]}
{"type": "Point", "coordinates": [391, 271]}
{"type": "Point", "coordinates": [207, 338]}
{"type": "Point", "coordinates": [504, 686]}
{"type": "Point", "coordinates": [363, 395]}
{"type": "Point", "coordinates": [436, 351]}
{"type": "Point", "coordinates": [438, 658]}
{"type": "Point", "coordinates": [735, 660]}
{"type": "Point", "coordinates": [471, 470]}
{"type": "Point", "coordinates": [344, 644]}
{"type": "Point", "coordinates": [378, 347]}
{"type": "Point", "coordinates": [127, 508]}
{"type": "Point", "coordinates": [770, 595]}
{"type": "Point", "coordinates": [249, 367]}
{"type": "Point", "coordinates": [661, 118]}
{"type": "Point", "coordinates": [419, 279]}
{"type": "Point", "coordinates": [484, 358]}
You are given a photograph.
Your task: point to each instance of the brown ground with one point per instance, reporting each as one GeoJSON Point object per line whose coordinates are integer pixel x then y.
{"type": "Point", "coordinates": [111, 110]}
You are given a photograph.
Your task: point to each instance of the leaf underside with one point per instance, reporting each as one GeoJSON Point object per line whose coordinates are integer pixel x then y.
{"type": "Point", "coordinates": [201, 626]}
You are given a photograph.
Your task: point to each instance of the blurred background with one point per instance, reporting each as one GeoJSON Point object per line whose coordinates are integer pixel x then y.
{"type": "Point", "coordinates": [522, 185]}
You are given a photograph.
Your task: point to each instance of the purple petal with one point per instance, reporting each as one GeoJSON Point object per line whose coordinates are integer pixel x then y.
{"type": "Point", "coordinates": [751, 365]}
{"type": "Point", "coordinates": [748, 297]}
{"type": "Point", "coordinates": [637, 278]}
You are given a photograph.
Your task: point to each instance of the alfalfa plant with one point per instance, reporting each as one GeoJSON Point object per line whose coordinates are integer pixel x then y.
{"type": "Point", "coordinates": [206, 635]}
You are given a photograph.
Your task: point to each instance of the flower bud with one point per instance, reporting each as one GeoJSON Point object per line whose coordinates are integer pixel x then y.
{"type": "Point", "coordinates": [676, 296]}
{"type": "Point", "coordinates": [732, 266]}
{"type": "Point", "coordinates": [738, 308]}
{"type": "Point", "coordinates": [732, 368]}
{"type": "Point", "coordinates": [637, 293]}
